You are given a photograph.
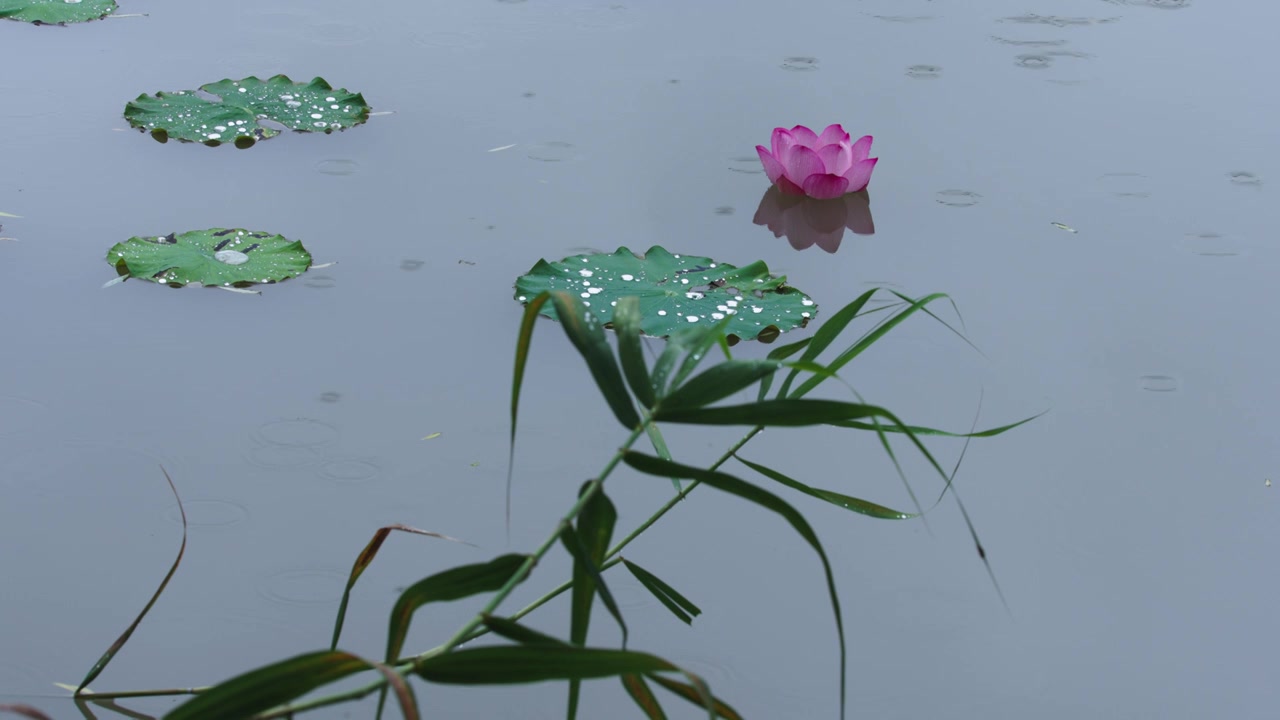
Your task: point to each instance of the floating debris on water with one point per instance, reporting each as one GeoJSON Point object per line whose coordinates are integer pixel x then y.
{"type": "Point", "coordinates": [501, 148]}
{"type": "Point", "coordinates": [1069, 229]}
{"type": "Point", "coordinates": [432, 436]}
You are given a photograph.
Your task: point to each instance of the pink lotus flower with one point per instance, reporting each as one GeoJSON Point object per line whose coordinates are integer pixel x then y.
{"type": "Point", "coordinates": [821, 166]}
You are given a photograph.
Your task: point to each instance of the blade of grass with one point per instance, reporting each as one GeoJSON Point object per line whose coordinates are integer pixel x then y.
{"type": "Point", "coordinates": [519, 664]}
{"type": "Point", "coordinates": [718, 382]}
{"type": "Point", "coordinates": [101, 665]}
{"type": "Point", "coordinates": [771, 413]}
{"type": "Point", "coordinates": [698, 352]}
{"type": "Point", "coordinates": [365, 558]}
{"type": "Point", "coordinates": [780, 353]}
{"type": "Point", "coordinates": [587, 544]}
{"type": "Point", "coordinates": [867, 341]}
{"type": "Point", "coordinates": [734, 486]}
{"type": "Point", "coordinates": [403, 693]}
{"type": "Point", "coordinates": [918, 430]}
{"type": "Point", "coordinates": [512, 630]}
{"type": "Point", "coordinates": [826, 335]}
{"type": "Point", "coordinates": [660, 446]}
{"type": "Point", "coordinates": [452, 584]}
{"type": "Point", "coordinates": [523, 339]}
{"type": "Point", "coordinates": [584, 330]}
{"type": "Point", "coordinates": [626, 325]}
{"type": "Point", "coordinates": [678, 604]}
{"type": "Point", "coordinates": [644, 698]}
{"type": "Point", "coordinates": [266, 687]}
{"type": "Point", "coordinates": [847, 502]}
{"type": "Point", "coordinates": [690, 693]}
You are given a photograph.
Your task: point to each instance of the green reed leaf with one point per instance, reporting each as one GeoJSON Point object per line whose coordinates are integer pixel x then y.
{"type": "Point", "coordinates": [867, 341]}
{"type": "Point", "coordinates": [523, 339]}
{"type": "Point", "coordinates": [771, 413]}
{"type": "Point", "coordinates": [518, 664]}
{"type": "Point", "coordinates": [587, 543]}
{"type": "Point", "coordinates": [847, 502]}
{"type": "Point", "coordinates": [513, 630]}
{"type": "Point", "coordinates": [918, 430]}
{"type": "Point", "coordinates": [644, 698]}
{"type": "Point", "coordinates": [626, 325]}
{"type": "Point", "coordinates": [363, 561]}
{"type": "Point", "coordinates": [827, 334]}
{"type": "Point", "coordinates": [269, 686]}
{"type": "Point", "coordinates": [693, 695]}
{"type": "Point", "coordinates": [734, 486]}
{"type": "Point", "coordinates": [587, 335]}
{"type": "Point", "coordinates": [719, 382]}
{"type": "Point", "coordinates": [101, 665]}
{"type": "Point", "coordinates": [678, 604]}
{"type": "Point", "coordinates": [452, 584]}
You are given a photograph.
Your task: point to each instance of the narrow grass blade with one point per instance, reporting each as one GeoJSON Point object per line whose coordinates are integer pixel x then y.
{"type": "Point", "coordinates": [857, 505]}
{"type": "Point", "coordinates": [644, 698]}
{"type": "Point", "coordinates": [523, 339]}
{"type": "Point", "coordinates": [402, 690]}
{"type": "Point", "coordinates": [678, 604]}
{"type": "Point", "coordinates": [867, 341]}
{"type": "Point", "coordinates": [512, 630]}
{"type": "Point", "coordinates": [587, 335]}
{"type": "Point", "coordinates": [518, 664]}
{"type": "Point", "coordinates": [452, 584]}
{"type": "Point", "coordinates": [827, 334]}
{"type": "Point", "coordinates": [718, 383]}
{"type": "Point", "coordinates": [678, 343]}
{"type": "Point", "coordinates": [916, 429]}
{"type": "Point", "coordinates": [364, 559]}
{"type": "Point", "coordinates": [266, 687]}
{"type": "Point", "coordinates": [660, 446]}
{"type": "Point", "coordinates": [782, 413]}
{"type": "Point", "coordinates": [780, 353]}
{"type": "Point", "coordinates": [626, 325]}
{"type": "Point", "coordinates": [101, 665]}
{"type": "Point", "coordinates": [698, 351]}
{"type": "Point", "coordinates": [693, 695]}
{"type": "Point", "coordinates": [734, 486]}
{"type": "Point", "coordinates": [24, 710]}
{"type": "Point", "coordinates": [587, 543]}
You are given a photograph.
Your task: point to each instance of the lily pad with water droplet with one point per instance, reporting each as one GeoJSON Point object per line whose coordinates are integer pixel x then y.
{"type": "Point", "coordinates": [234, 111]}
{"type": "Point", "coordinates": [675, 291]}
{"type": "Point", "coordinates": [217, 256]}
{"type": "Point", "coordinates": [56, 12]}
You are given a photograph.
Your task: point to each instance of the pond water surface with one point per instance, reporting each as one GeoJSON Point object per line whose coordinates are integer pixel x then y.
{"type": "Point", "coordinates": [1093, 182]}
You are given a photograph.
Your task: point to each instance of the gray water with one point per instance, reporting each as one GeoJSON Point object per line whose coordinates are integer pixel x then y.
{"type": "Point", "coordinates": [1130, 527]}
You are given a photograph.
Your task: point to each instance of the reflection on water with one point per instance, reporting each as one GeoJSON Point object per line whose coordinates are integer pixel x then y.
{"type": "Point", "coordinates": [807, 222]}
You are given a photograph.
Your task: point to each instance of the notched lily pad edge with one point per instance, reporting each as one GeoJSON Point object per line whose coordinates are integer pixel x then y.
{"type": "Point", "coordinates": [766, 335]}
{"type": "Point", "coordinates": [161, 135]}
{"type": "Point", "coordinates": [123, 273]}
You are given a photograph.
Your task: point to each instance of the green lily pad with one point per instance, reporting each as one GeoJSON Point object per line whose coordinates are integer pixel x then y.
{"type": "Point", "coordinates": [216, 256]}
{"type": "Point", "coordinates": [56, 12]}
{"type": "Point", "coordinates": [233, 110]}
{"type": "Point", "coordinates": [675, 291]}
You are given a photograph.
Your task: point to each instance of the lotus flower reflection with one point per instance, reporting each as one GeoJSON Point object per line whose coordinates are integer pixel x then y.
{"type": "Point", "coordinates": [802, 162]}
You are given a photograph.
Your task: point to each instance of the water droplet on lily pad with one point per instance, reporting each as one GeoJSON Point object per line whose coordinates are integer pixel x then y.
{"type": "Point", "coordinates": [674, 290]}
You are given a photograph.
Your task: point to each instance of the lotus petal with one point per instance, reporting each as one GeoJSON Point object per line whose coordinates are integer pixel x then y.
{"type": "Point", "coordinates": [859, 175]}
{"type": "Point", "coordinates": [825, 186]}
